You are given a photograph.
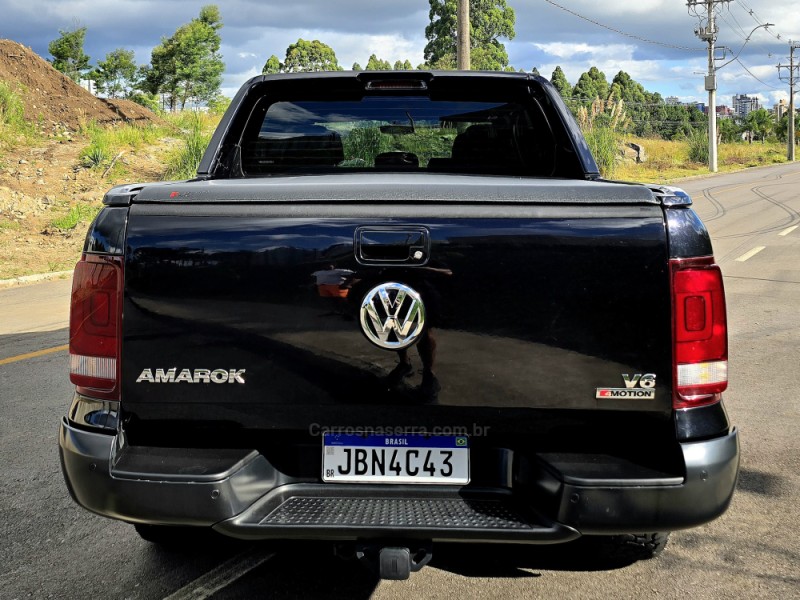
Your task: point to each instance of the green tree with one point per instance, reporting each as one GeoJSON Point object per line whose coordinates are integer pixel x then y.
{"type": "Point", "coordinates": [535, 71]}
{"type": "Point", "coordinates": [219, 104]}
{"type": "Point", "coordinates": [400, 65]}
{"type": "Point", "coordinates": [591, 85]}
{"type": "Point", "coordinates": [68, 54]}
{"type": "Point", "coordinates": [728, 130]}
{"type": "Point", "coordinates": [376, 64]}
{"type": "Point", "coordinates": [357, 67]}
{"type": "Point", "coordinates": [782, 128]}
{"type": "Point", "coordinates": [304, 56]}
{"type": "Point", "coordinates": [760, 122]}
{"type": "Point", "coordinates": [490, 20]}
{"type": "Point", "coordinates": [559, 81]}
{"type": "Point", "coordinates": [150, 101]}
{"type": "Point", "coordinates": [272, 66]}
{"type": "Point", "coordinates": [187, 65]}
{"type": "Point", "coordinates": [625, 88]}
{"type": "Point", "coordinates": [116, 75]}
{"type": "Point", "coordinates": [148, 80]}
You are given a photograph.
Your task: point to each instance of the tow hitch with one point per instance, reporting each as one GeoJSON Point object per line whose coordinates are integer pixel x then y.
{"type": "Point", "coordinates": [390, 560]}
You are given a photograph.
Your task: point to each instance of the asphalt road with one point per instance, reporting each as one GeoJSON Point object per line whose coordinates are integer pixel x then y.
{"type": "Point", "coordinates": [50, 548]}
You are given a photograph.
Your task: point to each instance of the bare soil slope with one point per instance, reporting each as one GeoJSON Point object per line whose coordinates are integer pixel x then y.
{"type": "Point", "coordinates": [52, 99]}
{"type": "Point", "coordinates": [41, 180]}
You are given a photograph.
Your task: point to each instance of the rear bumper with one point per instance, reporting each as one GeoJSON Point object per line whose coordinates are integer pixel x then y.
{"type": "Point", "coordinates": [240, 494]}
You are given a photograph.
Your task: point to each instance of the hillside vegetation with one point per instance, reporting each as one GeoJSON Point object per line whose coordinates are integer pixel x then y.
{"type": "Point", "coordinates": [56, 165]}
{"type": "Point", "coordinates": [60, 152]}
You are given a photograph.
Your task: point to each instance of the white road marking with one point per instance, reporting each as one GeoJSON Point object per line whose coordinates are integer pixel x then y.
{"type": "Point", "coordinates": [750, 254]}
{"type": "Point", "coordinates": [222, 576]}
{"type": "Point", "coordinates": [786, 232]}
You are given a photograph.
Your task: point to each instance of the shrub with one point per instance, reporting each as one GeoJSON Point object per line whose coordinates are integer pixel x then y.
{"type": "Point", "coordinates": [604, 144]}
{"type": "Point", "coordinates": [150, 101]}
{"type": "Point", "coordinates": [698, 147]}
{"type": "Point", "coordinates": [95, 155]}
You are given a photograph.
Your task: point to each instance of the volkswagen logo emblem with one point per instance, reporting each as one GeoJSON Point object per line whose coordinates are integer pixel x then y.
{"type": "Point", "coordinates": [392, 316]}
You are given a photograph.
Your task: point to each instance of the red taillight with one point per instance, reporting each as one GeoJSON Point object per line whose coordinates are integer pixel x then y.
{"type": "Point", "coordinates": [701, 332]}
{"type": "Point", "coordinates": [94, 325]}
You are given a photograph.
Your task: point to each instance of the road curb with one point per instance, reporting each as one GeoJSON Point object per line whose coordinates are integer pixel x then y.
{"type": "Point", "coordinates": [28, 279]}
{"type": "Point", "coordinates": [733, 172]}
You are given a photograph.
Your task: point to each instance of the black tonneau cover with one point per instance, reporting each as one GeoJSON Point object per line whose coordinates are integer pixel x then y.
{"type": "Point", "coordinates": [359, 187]}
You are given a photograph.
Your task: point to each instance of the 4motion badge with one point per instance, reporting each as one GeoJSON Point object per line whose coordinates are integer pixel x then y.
{"type": "Point", "coordinates": [637, 387]}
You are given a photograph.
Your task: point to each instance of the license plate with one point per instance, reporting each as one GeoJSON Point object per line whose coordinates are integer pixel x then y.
{"type": "Point", "coordinates": [395, 459]}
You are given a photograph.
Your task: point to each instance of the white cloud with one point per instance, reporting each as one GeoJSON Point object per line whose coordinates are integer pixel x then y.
{"type": "Point", "coordinates": [546, 36]}
{"type": "Point", "coordinates": [233, 81]}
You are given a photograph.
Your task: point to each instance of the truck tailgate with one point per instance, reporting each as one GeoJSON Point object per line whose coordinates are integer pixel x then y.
{"type": "Point", "coordinates": [535, 307]}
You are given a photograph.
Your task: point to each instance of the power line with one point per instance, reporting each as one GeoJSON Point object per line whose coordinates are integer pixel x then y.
{"type": "Point", "coordinates": [754, 77]}
{"type": "Point", "coordinates": [757, 19]}
{"type": "Point", "coordinates": [735, 20]}
{"type": "Point", "coordinates": [623, 33]}
{"type": "Point", "coordinates": [743, 33]}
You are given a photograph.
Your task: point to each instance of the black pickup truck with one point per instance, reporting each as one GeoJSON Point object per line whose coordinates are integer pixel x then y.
{"type": "Point", "coordinates": [397, 308]}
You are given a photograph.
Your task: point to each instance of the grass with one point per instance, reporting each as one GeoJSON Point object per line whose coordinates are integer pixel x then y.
{"type": "Point", "coordinates": [14, 129]}
{"type": "Point", "coordinates": [9, 226]}
{"type": "Point", "coordinates": [195, 132]}
{"type": "Point", "coordinates": [670, 160]}
{"type": "Point", "coordinates": [78, 213]}
{"type": "Point", "coordinates": [60, 265]}
{"type": "Point", "coordinates": [105, 142]}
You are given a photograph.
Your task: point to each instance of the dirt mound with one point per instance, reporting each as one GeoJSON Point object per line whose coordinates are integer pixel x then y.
{"type": "Point", "coordinates": [52, 99]}
{"type": "Point", "coordinates": [129, 111]}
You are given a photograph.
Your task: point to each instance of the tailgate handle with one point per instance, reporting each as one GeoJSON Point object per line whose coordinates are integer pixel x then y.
{"type": "Point", "coordinates": [392, 245]}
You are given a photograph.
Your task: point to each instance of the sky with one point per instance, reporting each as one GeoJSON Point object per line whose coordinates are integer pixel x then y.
{"type": "Point", "coordinates": [546, 36]}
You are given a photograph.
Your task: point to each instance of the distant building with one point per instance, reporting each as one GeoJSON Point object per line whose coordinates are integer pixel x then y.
{"type": "Point", "coordinates": [89, 86]}
{"type": "Point", "coordinates": [743, 105]}
{"type": "Point", "coordinates": [723, 112]}
{"type": "Point", "coordinates": [781, 108]}
{"type": "Point", "coordinates": [673, 101]}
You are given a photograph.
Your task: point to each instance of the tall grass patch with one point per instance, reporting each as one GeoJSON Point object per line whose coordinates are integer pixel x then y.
{"type": "Point", "coordinates": [604, 144]}
{"type": "Point", "coordinates": [752, 155]}
{"type": "Point", "coordinates": [668, 160]}
{"type": "Point", "coordinates": [13, 126]}
{"type": "Point", "coordinates": [196, 134]}
{"type": "Point", "coordinates": [106, 142]}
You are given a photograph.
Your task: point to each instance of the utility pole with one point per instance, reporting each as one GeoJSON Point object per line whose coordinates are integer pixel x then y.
{"type": "Point", "coordinates": [462, 54]}
{"type": "Point", "coordinates": [707, 31]}
{"type": "Point", "coordinates": [792, 81]}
